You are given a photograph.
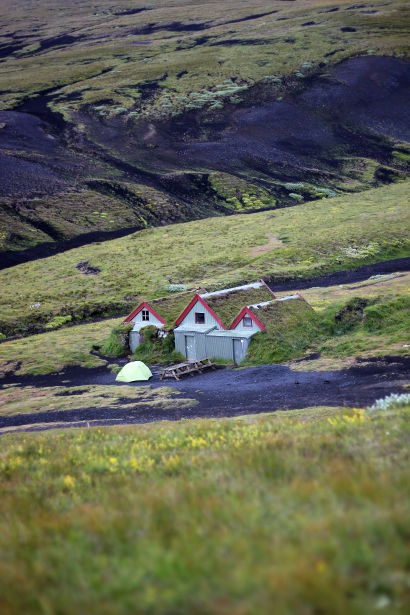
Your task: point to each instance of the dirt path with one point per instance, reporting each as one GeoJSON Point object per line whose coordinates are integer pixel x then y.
{"type": "Point", "coordinates": [342, 277]}
{"type": "Point", "coordinates": [230, 392]}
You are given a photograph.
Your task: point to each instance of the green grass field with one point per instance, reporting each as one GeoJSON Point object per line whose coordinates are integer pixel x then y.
{"type": "Point", "coordinates": [311, 239]}
{"type": "Point", "coordinates": [299, 512]}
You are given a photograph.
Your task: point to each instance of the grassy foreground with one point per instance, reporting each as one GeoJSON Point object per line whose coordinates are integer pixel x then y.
{"type": "Point", "coordinates": [297, 512]}
{"type": "Point", "coordinates": [310, 239]}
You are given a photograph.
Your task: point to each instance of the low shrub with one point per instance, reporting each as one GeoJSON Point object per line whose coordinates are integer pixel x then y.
{"type": "Point", "coordinates": [176, 288]}
{"type": "Point", "coordinates": [57, 322]}
{"type": "Point", "coordinates": [391, 402]}
{"type": "Point", "coordinates": [155, 348]}
{"type": "Point", "coordinates": [296, 197]}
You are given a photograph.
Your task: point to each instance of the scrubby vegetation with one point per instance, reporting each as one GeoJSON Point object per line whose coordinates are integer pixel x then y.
{"type": "Point", "coordinates": [117, 344]}
{"type": "Point", "coordinates": [100, 73]}
{"type": "Point", "coordinates": [30, 399]}
{"type": "Point", "coordinates": [303, 510]}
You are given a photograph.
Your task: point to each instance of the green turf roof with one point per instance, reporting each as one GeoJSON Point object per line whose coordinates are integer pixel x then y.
{"type": "Point", "coordinates": [282, 313]}
{"type": "Point", "coordinates": [227, 306]}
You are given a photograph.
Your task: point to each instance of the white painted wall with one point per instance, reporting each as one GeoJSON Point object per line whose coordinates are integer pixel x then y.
{"type": "Point", "coordinates": [189, 319]}
{"type": "Point", "coordinates": [240, 327]}
{"type": "Point", "coordinates": [139, 323]}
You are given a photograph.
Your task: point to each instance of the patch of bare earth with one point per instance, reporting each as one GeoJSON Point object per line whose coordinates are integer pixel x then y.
{"type": "Point", "coordinates": [272, 244]}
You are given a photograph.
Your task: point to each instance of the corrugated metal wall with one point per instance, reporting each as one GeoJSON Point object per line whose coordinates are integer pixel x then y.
{"type": "Point", "coordinates": [208, 346]}
{"type": "Point", "coordinates": [219, 347]}
{"type": "Point", "coordinates": [134, 340]}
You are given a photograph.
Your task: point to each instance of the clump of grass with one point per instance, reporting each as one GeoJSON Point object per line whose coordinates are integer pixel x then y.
{"type": "Point", "coordinates": [176, 288]}
{"type": "Point", "coordinates": [296, 197]}
{"type": "Point", "coordinates": [117, 344]}
{"type": "Point", "coordinates": [57, 322]}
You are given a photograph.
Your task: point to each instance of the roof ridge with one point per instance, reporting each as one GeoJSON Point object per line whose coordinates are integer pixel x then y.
{"type": "Point", "coordinates": [227, 291]}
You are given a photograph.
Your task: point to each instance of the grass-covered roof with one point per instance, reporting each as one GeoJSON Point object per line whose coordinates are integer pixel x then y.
{"type": "Point", "coordinates": [171, 307]}
{"type": "Point", "coordinates": [291, 326]}
{"type": "Point", "coordinates": [228, 304]}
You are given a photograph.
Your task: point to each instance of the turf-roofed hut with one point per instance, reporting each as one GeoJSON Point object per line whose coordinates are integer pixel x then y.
{"type": "Point", "coordinates": [159, 313]}
{"type": "Point", "coordinates": [203, 328]}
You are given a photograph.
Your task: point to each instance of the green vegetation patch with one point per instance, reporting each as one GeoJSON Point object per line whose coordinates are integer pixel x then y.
{"type": "Point", "coordinates": [303, 509]}
{"type": "Point", "coordinates": [117, 344]}
{"type": "Point", "coordinates": [317, 237]}
{"type": "Point", "coordinates": [155, 349]}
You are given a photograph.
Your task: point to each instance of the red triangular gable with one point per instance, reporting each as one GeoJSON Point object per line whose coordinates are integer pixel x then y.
{"type": "Point", "coordinates": [189, 307]}
{"type": "Point", "coordinates": [144, 306]}
{"type": "Point", "coordinates": [247, 312]}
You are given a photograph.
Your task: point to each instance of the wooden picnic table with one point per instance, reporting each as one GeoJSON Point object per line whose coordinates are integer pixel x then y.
{"type": "Point", "coordinates": [183, 369]}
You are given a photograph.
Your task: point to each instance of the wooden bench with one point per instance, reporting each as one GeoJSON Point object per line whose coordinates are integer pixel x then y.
{"type": "Point", "coordinates": [183, 369]}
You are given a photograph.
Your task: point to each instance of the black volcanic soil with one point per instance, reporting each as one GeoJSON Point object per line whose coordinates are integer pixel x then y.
{"type": "Point", "coordinates": [231, 392]}
{"type": "Point", "coordinates": [351, 109]}
{"type": "Point", "coordinates": [342, 277]}
{"type": "Point", "coordinates": [355, 108]}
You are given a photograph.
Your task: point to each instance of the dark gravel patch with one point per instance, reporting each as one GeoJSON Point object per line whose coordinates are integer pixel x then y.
{"type": "Point", "coordinates": [232, 392]}
{"type": "Point", "coordinates": [342, 277]}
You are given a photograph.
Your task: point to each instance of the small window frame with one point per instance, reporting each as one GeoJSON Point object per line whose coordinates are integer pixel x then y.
{"type": "Point", "coordinates": [145, 315]}
{"type": "Point", "coordinates": [249, 319]}
{"type": "Point", "coordinates": [199, 318]}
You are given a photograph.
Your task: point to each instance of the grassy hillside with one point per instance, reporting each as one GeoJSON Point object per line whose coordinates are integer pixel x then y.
{"type": "Point", "coordinates": [118, 86]}
{"type": "Point", "coordinates": [305, 241]}
{"type": "Point", "coordinates": [306, 510]}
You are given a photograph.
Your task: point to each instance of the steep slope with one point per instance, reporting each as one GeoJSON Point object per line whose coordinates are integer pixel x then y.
{"type": "Point", "coordinates": [115, 119]}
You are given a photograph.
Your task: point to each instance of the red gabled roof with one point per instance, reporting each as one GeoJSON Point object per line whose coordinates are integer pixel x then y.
{"type": "Point", "coordinates": [142, 306]}
{"type": "Point", "coordinates": [247, 312]}
{"type": "Point", "coordinates": [191, 305]}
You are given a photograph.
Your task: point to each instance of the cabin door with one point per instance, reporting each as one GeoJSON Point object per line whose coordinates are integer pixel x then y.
{"type": "Point", "coordinates": [190, 347]}
{"type": "Point", "coordinates": [238, 351]}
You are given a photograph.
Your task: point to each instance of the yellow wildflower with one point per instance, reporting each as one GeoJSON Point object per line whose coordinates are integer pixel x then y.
{"type": "Point", "coordinates": [68, 481]}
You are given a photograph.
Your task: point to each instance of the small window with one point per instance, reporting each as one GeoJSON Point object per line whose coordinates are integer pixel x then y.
{"type": "Point", "coordinates": [200, 318]}
{"type": "Point", "coordinates": [247, 321]}
{"type": "Point", "coordinates": [145, 315]}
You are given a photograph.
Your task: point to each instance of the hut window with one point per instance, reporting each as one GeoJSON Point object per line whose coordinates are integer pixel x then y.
{"type": "Point", "coordinates": [247, 321]}
{"type": "Point", "coordinates": [200, 318]}
{"type": "Point", "coordinates": [145, 315]}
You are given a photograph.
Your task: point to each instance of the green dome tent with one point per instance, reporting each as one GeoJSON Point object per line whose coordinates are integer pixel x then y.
{"type": "Point", "coordinates": [136, 370]}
